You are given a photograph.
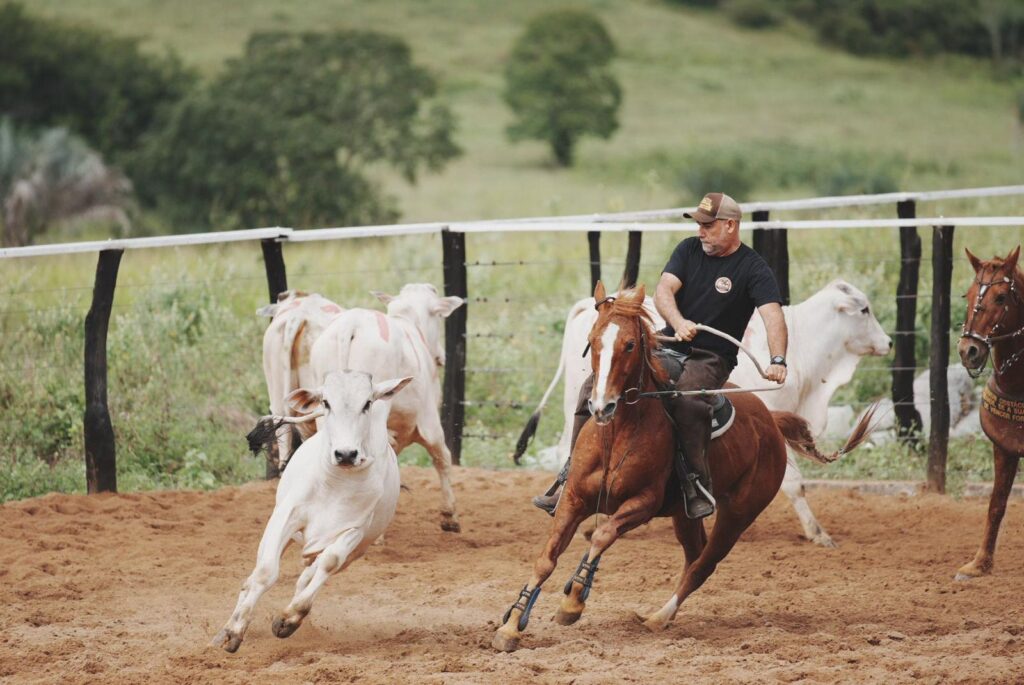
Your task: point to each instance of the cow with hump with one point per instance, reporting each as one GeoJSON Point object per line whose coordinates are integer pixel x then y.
{"type": "Point", "coordinates": [404, 342]}
{"type": "Point", "coordinates": [336, 497]}
{"type": "Point", "coordinates": [829, 332]}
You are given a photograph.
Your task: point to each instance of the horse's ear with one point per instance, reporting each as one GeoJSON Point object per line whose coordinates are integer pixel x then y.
{"type": "Point", "coordinates": [599, 293]}
{"type": "Point", "coordinates": [641, 293]}
{"type": "Point", "coordinates": [1011, 259]}
{"type": "Point", "coordinates": [975, 262]}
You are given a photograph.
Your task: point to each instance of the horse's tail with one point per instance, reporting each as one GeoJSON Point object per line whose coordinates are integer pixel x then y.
{"type": "Point", "coordinates": [797, 432]}
{"type": "Point", "coordinates": [531, 425]}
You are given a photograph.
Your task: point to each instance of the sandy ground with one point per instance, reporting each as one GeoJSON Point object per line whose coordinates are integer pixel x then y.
{"type": "Point", "coordinates": [130, 588]}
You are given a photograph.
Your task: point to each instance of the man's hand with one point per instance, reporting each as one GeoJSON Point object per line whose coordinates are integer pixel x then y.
{"type": "Point", "coordinates": [777, 373]}
{"type": "Point", "coordinates": [686, 331]}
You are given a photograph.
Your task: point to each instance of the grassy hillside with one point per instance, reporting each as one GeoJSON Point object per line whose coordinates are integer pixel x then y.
{"type": "Point", "coordinates": [693, 83]}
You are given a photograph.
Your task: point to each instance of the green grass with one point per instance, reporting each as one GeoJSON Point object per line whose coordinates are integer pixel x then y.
{"type": "Point", "coordinates": [185, 363]}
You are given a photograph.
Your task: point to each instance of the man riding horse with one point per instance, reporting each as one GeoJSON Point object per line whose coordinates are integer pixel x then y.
{"type": "Point", "coordinates": [716, 280]}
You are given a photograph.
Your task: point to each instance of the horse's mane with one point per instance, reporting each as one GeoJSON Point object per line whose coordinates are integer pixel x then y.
{"type": "Point", "coordinates": [626, 304]}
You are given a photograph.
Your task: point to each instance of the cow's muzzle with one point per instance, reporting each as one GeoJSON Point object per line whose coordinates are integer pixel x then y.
{"type": "Point", "coordinates": [346, 457]}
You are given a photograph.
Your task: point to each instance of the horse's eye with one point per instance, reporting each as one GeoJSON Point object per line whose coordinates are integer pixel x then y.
{"type": "Point", "coordinates": [326, 405]}
{"type": "Point", "coordinates": [1000, 299]}
{"type": "Point", "coordinates": [366, 407]}
{"type": "Point", "coordinates": [630, 346]}
{"type": "Point", "coordinates": [865, 310]}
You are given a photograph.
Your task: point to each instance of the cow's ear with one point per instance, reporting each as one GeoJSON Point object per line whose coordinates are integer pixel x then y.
{"type": "Point", "coordinates": [385, 390]}
{"type": "Point", "coordinates": [447, 305]}
{"type": "Point", "coordinates": [1011, 259]}
{"type": "Point", "coordinates": [304, 401]}
{"type": "Point", "coordinates": [267, 310]}
{"type": "Point", "coordinates": [599, 293]}
{"type": "Point", "coordinates": [382, 296]}
{"type": "Point", "coordinates": [975, 262]}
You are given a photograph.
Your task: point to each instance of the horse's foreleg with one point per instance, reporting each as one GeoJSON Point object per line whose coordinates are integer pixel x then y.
{"type": "Point", "coordinates": [1002, 483]}
{"type": "Point", "coordinates": [629, 515]}
{"type": "Point", "coordinates": [726, 531]}
{"type": "Point", "coordinates": [327, 563]}
{"type": "Point", "coordinates": [568, 517]}
{"type": "Point", "coordinates": [268, 559]}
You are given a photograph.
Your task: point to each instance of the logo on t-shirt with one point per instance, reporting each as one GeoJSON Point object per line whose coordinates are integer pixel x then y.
{"type": "Point", "coordinates": [723, 285]}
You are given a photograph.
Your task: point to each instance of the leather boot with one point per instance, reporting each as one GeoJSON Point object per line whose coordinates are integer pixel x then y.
{"type": "Point", "coordinates": [692, 463]}
{"type": "Point", "coordinates": [549, 500]}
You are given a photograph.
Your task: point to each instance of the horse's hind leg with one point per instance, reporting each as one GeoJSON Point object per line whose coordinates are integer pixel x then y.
{"type": "Point", "coordinates": [568, 517]}
{"type": "Point", "coordinates": [628, 516]}
{"type": "Point", "coordinates": [726, 531]}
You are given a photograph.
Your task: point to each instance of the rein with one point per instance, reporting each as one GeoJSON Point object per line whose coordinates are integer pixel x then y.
{"type": "Point", "coordinates": [989, 339]}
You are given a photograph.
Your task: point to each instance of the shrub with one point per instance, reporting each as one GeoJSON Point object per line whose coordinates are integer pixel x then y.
{"type": "Point", "coordinates": [730, 173]}
{"type": "Point", "coordinates": [754, 14]}
{"type": "Point", "coordinates": [558, 84]}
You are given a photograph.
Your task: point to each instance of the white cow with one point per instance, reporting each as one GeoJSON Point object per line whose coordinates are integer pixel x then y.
{"type": "Point", "coordinates": [406, 342]}
{"type": "Point", "coordinates": [297, 319]}
{"type": "Point", "coordinates": [828, 334]}
{"type": "Point", "coordinates": [336, 497]}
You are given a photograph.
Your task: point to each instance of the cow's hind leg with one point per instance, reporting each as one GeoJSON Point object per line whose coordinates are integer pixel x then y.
{"type": "Point", "coordinates": [726, 531]}
{"type": "Point", "coordinates": [1002, 483]}
{"type": "Point", "coordinates": [268, 560]}
{"type": "Point", "coordinates": [431, 437]}
{"type": "Point", "coordinates": [334, 558]}
{"type": "Point", "coordinates": [568, 517]}
{"type": "Point", "coordinates": [629, 515]}
{"type": "Point", "coordinates": [793, 486]}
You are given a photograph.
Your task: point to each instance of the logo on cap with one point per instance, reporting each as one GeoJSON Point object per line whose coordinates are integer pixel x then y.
{"type": "Point", "coordinates": [706, 204]}
{"type": "Point", "coordinates": [723, 285]}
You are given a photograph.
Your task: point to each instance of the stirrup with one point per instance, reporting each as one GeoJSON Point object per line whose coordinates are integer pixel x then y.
{"type": "Point", "coordinates": [547, 502]}
{"type": "Point", "coordinates": [698, 503]}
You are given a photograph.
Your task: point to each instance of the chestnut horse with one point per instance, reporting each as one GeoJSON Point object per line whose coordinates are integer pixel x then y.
{"type": "Point", "coordinates": [995, 326]}
{"type": "Point", "coordinates": [622, 466]}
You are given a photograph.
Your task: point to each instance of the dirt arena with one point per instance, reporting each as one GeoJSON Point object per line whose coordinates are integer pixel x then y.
{"type": "Point", "coordinates": [131, 588]}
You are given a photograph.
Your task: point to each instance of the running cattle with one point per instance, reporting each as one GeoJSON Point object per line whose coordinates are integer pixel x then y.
{"type": "Point", "coordinates": [336, 497]}
{"type": "Point", "coordinates": [297, 320]}
{"type": "Point", "coordinates": [405, 342]}
{"type": "Point", "coordinates": [828, 334]}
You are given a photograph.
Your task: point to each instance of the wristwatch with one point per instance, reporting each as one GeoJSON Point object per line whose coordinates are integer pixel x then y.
{"type": "Point", "coordinates": [779, 360]}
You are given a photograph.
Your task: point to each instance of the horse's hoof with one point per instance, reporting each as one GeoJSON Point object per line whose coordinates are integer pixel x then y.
{"type": "Point", "coordinates": [450, 525]}
{"type": "Point", "coordinates": [655, 624]}
{"type": "Point", "coordinates": [567, 618]}
{"type": "Point", "coordinates": [963, 577]}
{"type": "Point", "coordinates": [229, 641]}
{"type": "Point", "coordinates": [284, 628]}
{"type": "Point", "coordinates": [505, 643]}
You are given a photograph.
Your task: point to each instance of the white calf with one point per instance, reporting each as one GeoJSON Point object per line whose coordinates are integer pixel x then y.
{"type": "Point", "coordinates": [336, 497]}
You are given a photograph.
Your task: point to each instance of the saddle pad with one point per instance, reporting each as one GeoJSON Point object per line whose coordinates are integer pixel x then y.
{"type": "Point", "coordinates": [722, 416]}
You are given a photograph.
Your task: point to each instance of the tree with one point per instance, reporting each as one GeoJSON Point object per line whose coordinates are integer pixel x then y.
{"type": "Point", "coordinates": [558, 83]}
{"type": "Point", "coordinates": [286, 135]}
{"type": "Point", "coordinates": [55, 177]}
{"type": "Point", "coordinates": [99, 86]}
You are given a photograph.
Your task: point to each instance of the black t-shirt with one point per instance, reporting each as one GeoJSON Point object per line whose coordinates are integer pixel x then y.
{"type": "Point", "coordinates": [720, 292]}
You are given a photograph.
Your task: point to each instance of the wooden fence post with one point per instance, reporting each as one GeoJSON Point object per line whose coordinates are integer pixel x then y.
{"type": "Point", "coordinates": [100, 448]}
{"type": "Point", "coordinates": [773, 245]}
{"type": "Point", "coordinates": [453, 246]}
{"type": "Point", "coordinates": [273, 261]}
{"type": "Point", "coordinates": [942, 276]}
{"type": "Point", "coordinates": [904, 361]}
{"type": "Point", "coordinates": [632, 270]}
{"type": "Point", "coordinates": [594, 240]}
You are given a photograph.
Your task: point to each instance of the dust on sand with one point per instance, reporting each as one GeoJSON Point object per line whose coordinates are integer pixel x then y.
{"type": "Point", "coordinates": [131, 588]}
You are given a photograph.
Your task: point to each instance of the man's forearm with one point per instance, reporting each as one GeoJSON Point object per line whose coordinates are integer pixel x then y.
{"type": "Point", "coordinates": [775, 327]}
{"type": "Point", "coordinates": [665, 303]}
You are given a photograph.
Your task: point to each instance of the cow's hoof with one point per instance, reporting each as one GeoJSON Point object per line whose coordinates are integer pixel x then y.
{"type": "Point", "coordinates": [227, 640]}
{"type": "Point", "coordinates": [825, 541]}
{"type": "Point", "coordinates": [504, 642]}
{"type": "Point", "coordinates": [282, 627]}
{"type": "Point", "coordinates": [566, 618]}
{"type": "Point", "coordinates": [450, 524]}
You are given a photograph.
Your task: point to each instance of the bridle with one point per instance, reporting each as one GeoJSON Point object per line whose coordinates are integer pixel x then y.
{"type": "Point", "coordinates": [989, 339]}
{"type": "Point", "coordinates": [636, 389]}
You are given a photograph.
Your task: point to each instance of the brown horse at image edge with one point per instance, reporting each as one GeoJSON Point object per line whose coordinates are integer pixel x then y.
{"type": "Point", "coordinates": [622, 466]}
{"type": "Point", "coordinates": [994, 326]}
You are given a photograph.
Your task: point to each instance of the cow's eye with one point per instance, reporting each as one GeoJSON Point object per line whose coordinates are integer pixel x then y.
{"type": "Point", "coordinates": [865, 310]}
{"type": "Point", "coordinates": [326, 405]}
{"type": "Point", "coordinates": [630, 346]}
{"type": "Point", "coordinates": [366, 407]}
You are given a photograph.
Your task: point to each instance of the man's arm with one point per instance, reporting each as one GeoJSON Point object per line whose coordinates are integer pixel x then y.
{"type": "Point", "coordinates": [778, 338]}
{"type": "Point", "coordinates": [665, 303]}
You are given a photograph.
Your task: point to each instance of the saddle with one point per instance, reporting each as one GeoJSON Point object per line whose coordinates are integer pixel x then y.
{"type": "Point", "coordinates": [722, 411]}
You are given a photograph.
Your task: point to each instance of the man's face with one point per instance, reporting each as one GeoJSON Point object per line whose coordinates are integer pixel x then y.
{"type": "Point", "coordinates": [716, 237]}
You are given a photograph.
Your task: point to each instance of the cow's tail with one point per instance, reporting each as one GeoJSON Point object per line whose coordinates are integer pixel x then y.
{"type": "Point", "coordinates": [797, 432]}
{"type": "Point", "coordinates": [531, 425]}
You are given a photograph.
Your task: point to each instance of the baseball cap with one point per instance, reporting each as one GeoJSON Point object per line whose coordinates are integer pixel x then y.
{"type": "Point", "coordinates": [715, 206]}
